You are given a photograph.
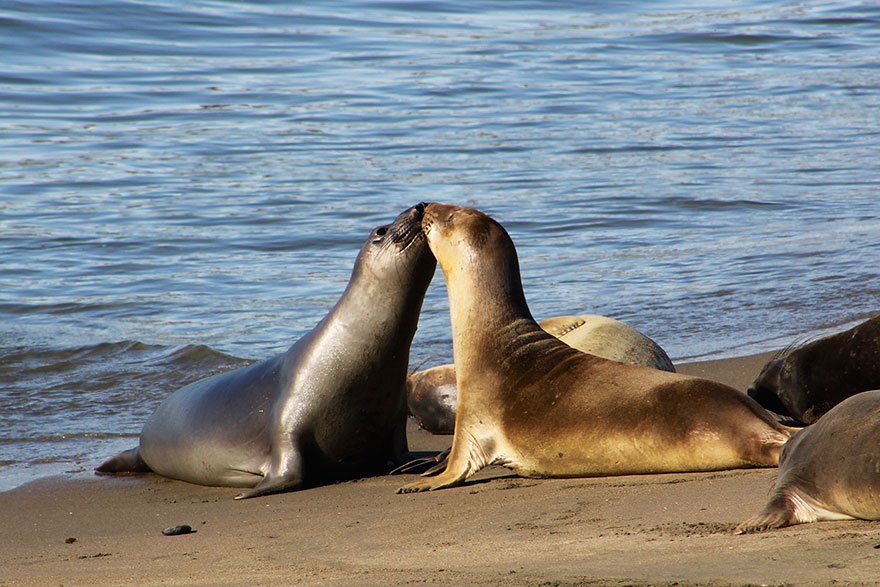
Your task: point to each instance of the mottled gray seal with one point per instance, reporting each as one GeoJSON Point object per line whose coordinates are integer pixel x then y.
{"type": "Point", "coordinates": [829, 470]}
{"type": "Point", "coordinates": [432, 396]}
{"type": "Point", "coordinates": [608, 338]}
{"type": "Point", "coordinates": [532, 403]}
{"type": "Point", "coordinates": [807, 381]}
{"type": "Point", "coordinates": [333, 406]}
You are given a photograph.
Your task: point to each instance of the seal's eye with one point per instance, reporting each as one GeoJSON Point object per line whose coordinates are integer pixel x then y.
{"type": "Point", "coordinates": [379, 233]}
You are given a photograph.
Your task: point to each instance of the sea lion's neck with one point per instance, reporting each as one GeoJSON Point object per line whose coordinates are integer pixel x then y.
{"type": "Point", "coordinates": [373, 303]}
{"type": "Point", "coordinates": [488, 310]}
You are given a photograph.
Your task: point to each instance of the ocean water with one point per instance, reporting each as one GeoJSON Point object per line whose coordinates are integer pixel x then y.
{"type": "Point", "coordinates": [184, 185]}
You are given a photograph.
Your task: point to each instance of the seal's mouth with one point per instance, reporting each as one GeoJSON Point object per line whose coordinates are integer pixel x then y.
{"type": "Point", "coordinates": [407, 227]}
{"type": "Point", "coordinates": [432, 213]}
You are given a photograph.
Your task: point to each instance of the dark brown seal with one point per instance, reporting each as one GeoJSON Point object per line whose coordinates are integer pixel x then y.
{"type": "Point", "coordinates": [807, 381]}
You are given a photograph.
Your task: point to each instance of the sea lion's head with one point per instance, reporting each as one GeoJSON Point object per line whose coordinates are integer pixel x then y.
{"type": "Point", "coordinates": [396, 257]}
{"type": "Point", "coordinates": [765, 388]}
{"type": "Point", "coordinates": [788, 385]}
{"type": "Point", "coordinates": [467, 238]}
{"type": "Point", "coordinates": [478, 259]}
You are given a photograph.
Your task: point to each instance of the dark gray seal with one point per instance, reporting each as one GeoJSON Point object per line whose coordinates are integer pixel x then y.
{"type": "Point", "coordinates": [807, 381]}
{"type": "Point", "coordinates": [829, 470]}
{"type": "Point", "coordinates": [332, 407]}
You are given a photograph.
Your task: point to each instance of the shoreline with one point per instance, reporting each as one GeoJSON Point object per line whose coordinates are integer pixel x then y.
{"type": "Point", "coordinates": [633, 530]}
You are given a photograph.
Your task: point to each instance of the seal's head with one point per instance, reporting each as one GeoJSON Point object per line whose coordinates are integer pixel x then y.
{"type": "Point", "coordinates": [807, 380]}
{"type": "Point", "coordinates": [794, 384]}
{"type": "Point", "coordinates": [398, 252]}
{"type": "Point", "coordinates": [765, 388]}
{"type": "Point", "coordinates": [462, 232]}
{"type": "Point", "coordinates": [475, 252]}
{"type": "Point", "coordinates": [399, 237]}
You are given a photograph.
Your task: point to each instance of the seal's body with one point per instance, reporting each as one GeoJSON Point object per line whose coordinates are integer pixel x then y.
{"type": "Point", "coordinates": [432, 398]}
{"type": "Point", "coordinates": [608, 338]}
{"type": "Point", "coordinates": [829, 470]}
{"type": "Point", "coordinates": [809, 380]}
{"type": "Point", "coordinates": [432, 395]}
{"type": "Point", "coordinates": [333, 406]}
{"type": "Point", "coordinates": [534, 404]}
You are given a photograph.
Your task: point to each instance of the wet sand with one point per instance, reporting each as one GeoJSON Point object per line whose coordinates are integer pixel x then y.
{"type": "Point", "coordinates": [636, 530]}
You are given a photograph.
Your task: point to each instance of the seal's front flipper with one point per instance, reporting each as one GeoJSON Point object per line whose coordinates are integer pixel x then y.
{"type": "Point", "coordinates": [446, 479]}
{"type": "Point", "coordinates": [128, 461]}
{"type": "Point", "coordinates": [779, 513]}
{"type": "Point", "coordinates": [285, 474]}
{"type": "Point", "coordinates": [270, 485]}
{"type": "Point", "coordinates": [460, 464]}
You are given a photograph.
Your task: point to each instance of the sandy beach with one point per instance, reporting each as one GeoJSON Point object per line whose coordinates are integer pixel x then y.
{"type": "Point", "coordinates": [671, 529]}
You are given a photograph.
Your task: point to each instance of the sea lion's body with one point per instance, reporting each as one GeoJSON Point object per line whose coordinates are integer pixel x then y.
{"type": "Point", "coordinates": [608, 338]}
{"type": "Point", "coordinates": [332, 406]}
{"type": "Point", "coordinates": [432, 395]}
{"type": "Point", "coordinates": [829, 470]}
{"type": "Point", "coordinates": [532, 403]}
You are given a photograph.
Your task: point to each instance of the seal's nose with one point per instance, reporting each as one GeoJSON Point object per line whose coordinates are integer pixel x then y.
{"type": "Point", "coordinates": [419, 210]}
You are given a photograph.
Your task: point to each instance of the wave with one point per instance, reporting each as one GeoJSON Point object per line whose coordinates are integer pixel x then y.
{"type": "Point", "coordinates": [110, 387]}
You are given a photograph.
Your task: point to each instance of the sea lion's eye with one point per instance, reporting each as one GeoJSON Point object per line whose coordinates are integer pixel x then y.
{"type": "Point", "coordinates": [378, 234]}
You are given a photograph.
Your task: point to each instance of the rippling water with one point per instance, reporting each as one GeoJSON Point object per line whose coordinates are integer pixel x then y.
{"type": "Point", "coordinates": [184, 185]}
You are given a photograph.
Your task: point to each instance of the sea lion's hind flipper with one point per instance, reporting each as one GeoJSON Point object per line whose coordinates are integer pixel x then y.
{"type": "Point", "coordinates": [128, 461]}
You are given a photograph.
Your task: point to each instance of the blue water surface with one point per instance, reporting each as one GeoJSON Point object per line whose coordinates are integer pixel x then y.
{"type": "Point", "coordinates": [184, 185]}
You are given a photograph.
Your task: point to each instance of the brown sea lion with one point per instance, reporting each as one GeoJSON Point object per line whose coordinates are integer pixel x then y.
{"type": "Point", "coordinates": [829, 470]}
{"type": "Point", "coordinates": [432, 396]}
{"type": "Point", "coordinates": [808, 380]}
{"type": "Point", "coordinates": [532, 403]}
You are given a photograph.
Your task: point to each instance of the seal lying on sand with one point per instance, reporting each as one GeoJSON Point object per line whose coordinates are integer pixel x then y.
{"type": "Point", "coordinates": [432, 396]}
{"type": "Point", "coordinates": [333, 406]}
{"type": "Point", "coordinates": [809, 380]}
{"type": "Point", "coordinates": [532, 403]}
{"type": "Point", "coordinates": [829, 470]}
{"type": "Point", "coordinates": [608, 338]}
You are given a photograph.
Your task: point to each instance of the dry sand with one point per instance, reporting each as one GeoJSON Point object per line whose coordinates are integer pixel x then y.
{"type": "Point", "coordinates": [636, 530]}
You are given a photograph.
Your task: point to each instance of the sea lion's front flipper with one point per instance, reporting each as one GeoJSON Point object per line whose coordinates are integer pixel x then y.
{"type": "Point", "coordinates": [779, 513]}
{"type": "Point", "coordinates": [285, 474]}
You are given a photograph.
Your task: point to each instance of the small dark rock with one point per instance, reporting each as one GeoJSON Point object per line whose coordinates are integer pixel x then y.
{"type": "Point", "coordinates": [178, 530]}
{"type": "Point", "coordinates": [70, 541]}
